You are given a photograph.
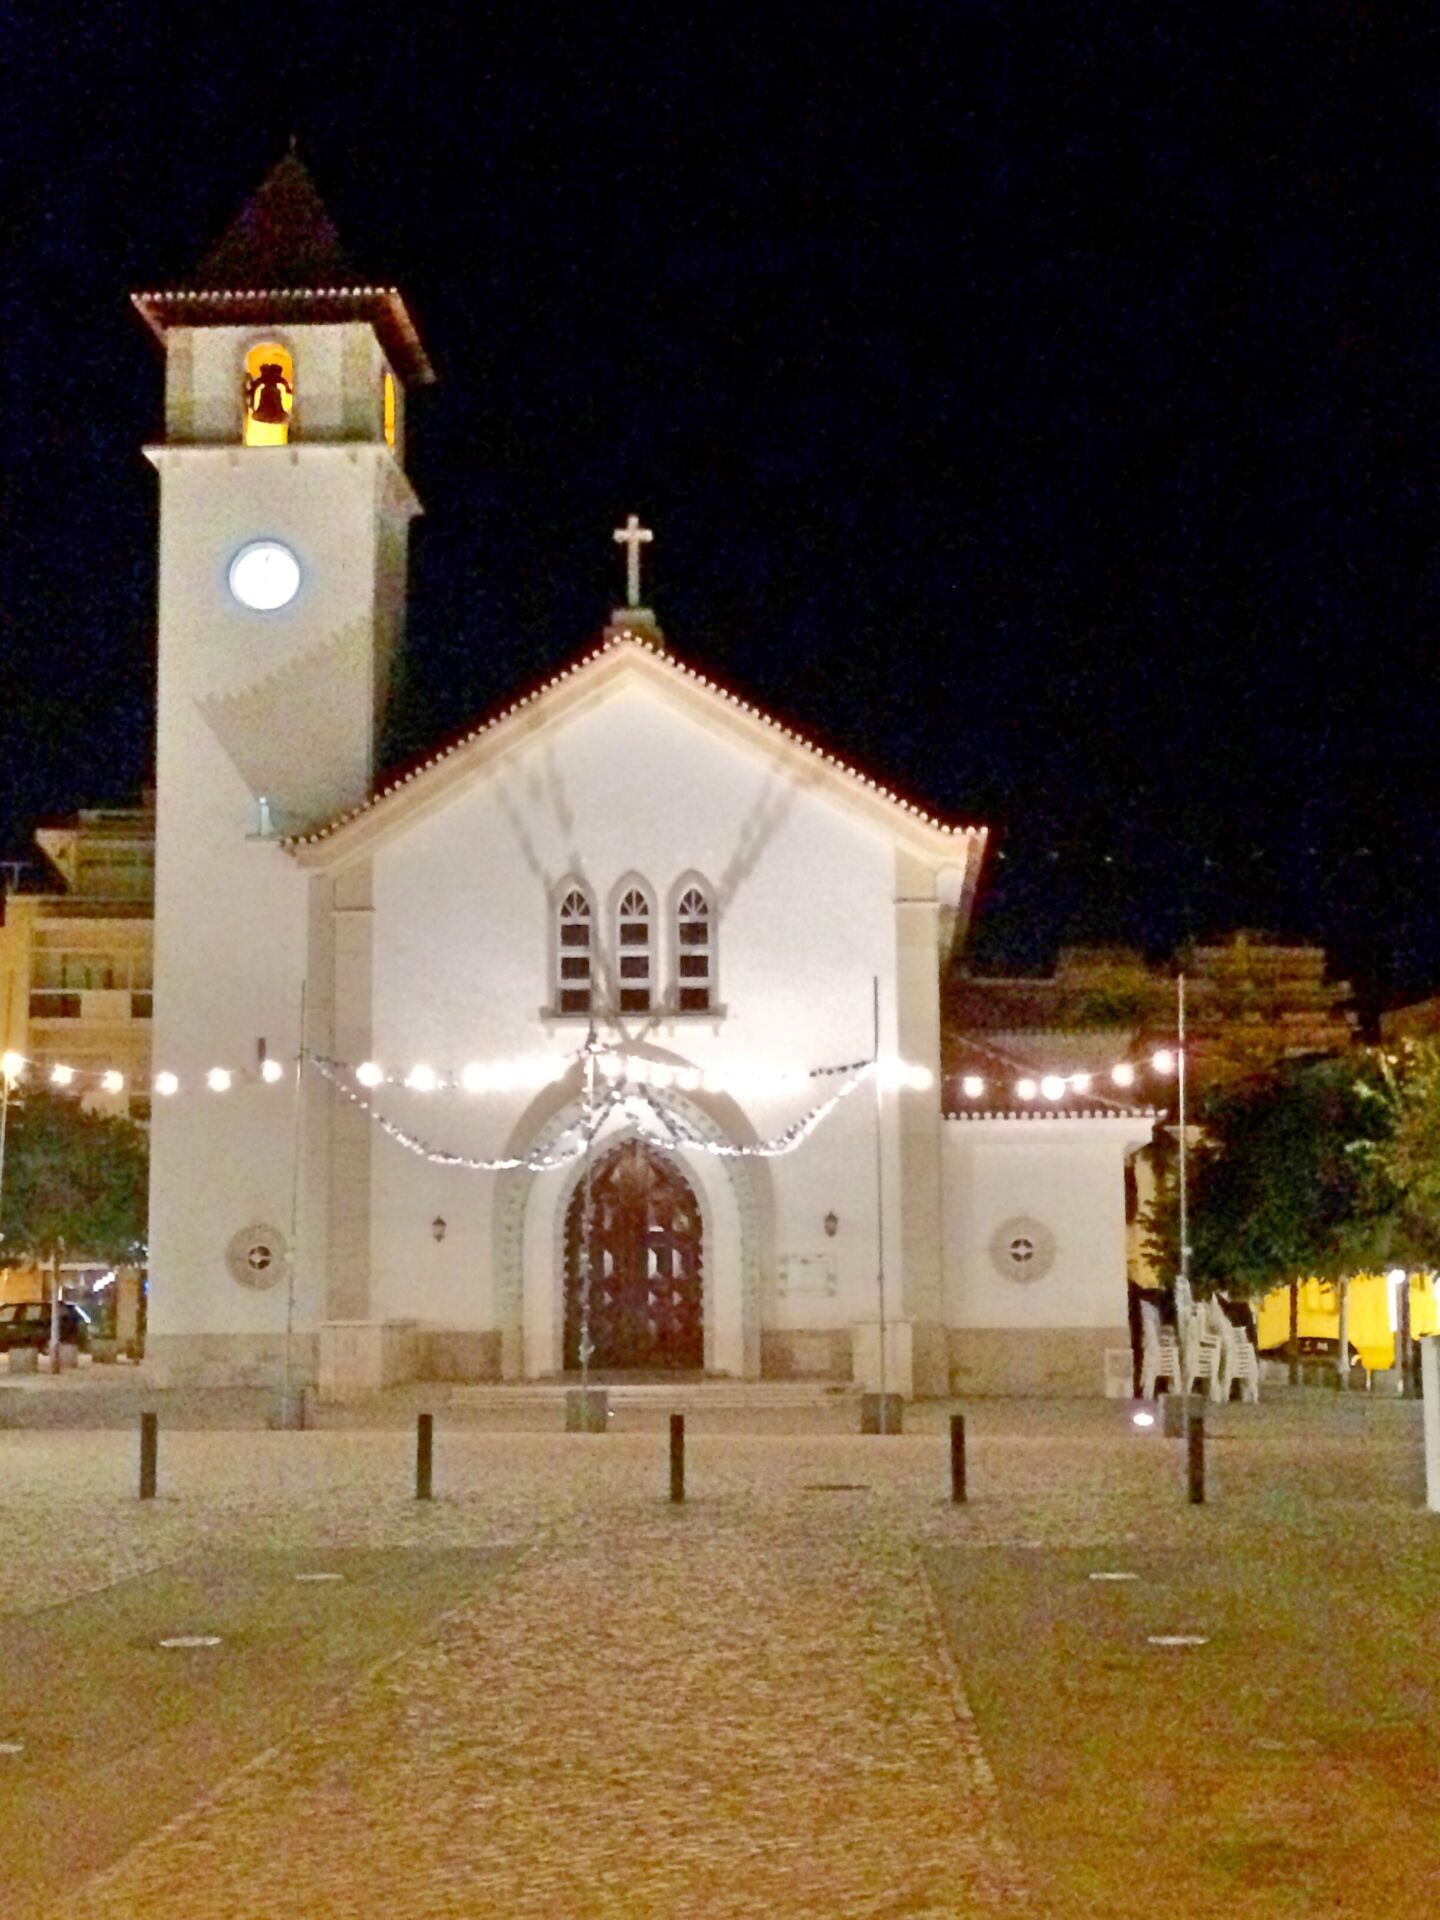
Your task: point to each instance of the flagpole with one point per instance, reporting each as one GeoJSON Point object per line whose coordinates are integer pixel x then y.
{"type": "Point", "coordinates": [879, 1189]}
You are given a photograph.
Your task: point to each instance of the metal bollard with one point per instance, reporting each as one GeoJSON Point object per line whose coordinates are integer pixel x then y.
{"type": "Point", "coordinates": [424, 1455]}
{"type": "Point", "coordinates": [149, 1453]}
{"type": "Point", "coordinates": [957, 1459]}
{"type": "Point", "coordinates": [1196, 1459]}
{"type": "Point", "coordinates": [677, 1458]}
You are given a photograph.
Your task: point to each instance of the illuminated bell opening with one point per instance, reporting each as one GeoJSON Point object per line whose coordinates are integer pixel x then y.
{"type": "Point", "coordinates": [269, 395]}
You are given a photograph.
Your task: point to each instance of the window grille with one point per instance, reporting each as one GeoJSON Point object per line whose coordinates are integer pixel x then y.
{"type": "Point", "coordinates": [574, 988]}
{"type": "Point", "coordinates": [696, 952]}
{"type": "Point", "coordinates": [633, 952]}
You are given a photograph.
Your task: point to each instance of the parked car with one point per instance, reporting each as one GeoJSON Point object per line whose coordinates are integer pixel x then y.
{"type": "Point", "coordinates": [26, 1323]}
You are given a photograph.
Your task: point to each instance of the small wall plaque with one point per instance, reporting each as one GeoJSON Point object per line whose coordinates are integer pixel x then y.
{"type": "Point", "coordinates": [812, 1274]}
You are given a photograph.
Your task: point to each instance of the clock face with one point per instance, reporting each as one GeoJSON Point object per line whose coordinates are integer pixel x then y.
{"type": "Point", "coordinates": [265, 576]}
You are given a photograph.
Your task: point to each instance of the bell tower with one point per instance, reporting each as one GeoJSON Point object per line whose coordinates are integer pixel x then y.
{"type": "Point", "coordinates": [284, 505]}
{"type": "Point", "coordinates": [284, 526]}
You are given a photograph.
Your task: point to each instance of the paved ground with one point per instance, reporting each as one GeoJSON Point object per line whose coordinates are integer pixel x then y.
{"type": "Point", "coordinates": [551, 1694]}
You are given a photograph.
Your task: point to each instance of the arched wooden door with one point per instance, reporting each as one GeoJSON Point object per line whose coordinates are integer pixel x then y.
{"type": "Point", "coordinates": [646, 1299]}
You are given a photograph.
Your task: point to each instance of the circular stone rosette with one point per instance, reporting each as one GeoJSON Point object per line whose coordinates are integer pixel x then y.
{"type": "Point", "coordinates": [1022, 1248]}
{"type": "Point", "coordinates": [256, 1256]}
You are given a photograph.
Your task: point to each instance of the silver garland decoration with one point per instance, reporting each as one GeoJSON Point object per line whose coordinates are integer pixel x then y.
{"type": "Point", "coordinates": [677, 1129]}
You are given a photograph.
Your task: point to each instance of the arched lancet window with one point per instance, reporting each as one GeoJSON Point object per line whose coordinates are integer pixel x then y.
{"type": "Point", "coordinates": [269, 395]}
{"type": "Point", "coordinates": [576, 947]}
{"type": "Point", "coordinates": [634, 951]}
{"type": "Point", "coordinates": [695, 945]}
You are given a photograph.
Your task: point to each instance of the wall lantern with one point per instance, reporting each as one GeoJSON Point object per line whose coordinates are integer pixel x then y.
{"type": "Point", "coordinates": [832, 1225]}
{"type": "Point", "coordinates": [437, 1227]}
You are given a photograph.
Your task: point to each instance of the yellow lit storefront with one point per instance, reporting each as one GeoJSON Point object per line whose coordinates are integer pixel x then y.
{"type": "Point", "coordinates": [1372, 1314]}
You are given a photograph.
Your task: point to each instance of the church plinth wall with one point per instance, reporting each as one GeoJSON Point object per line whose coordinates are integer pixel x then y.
{"type": "Point", "coordinates": [1046, 1362]}
{"type": "Point", "coordinates": [821, 1354]}
{"type": "Point", "coordinates": [231, 1359]}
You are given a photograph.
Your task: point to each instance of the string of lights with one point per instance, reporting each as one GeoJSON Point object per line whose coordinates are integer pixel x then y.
{"type": "Point", "coordinates": [1055, 1086]}
{"type": "Point", "coordinates": [520, 1073]}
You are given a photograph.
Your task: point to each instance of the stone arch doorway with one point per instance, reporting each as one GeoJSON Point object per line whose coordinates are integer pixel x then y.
{"type": "Point", "coordinates": [647, 1306]}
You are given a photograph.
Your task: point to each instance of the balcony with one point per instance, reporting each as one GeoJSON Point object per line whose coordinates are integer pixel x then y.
{"type": "Point", "coordinates": [110, 1006]}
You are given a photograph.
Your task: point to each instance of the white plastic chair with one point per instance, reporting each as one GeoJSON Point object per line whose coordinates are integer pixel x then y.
{"type": "Point", "coordinates": [1159, 1355]}
{"type": "Point", "coordinates": [1239, 1362]}
{"type": "Point", "coordinates": [1202, 1350]}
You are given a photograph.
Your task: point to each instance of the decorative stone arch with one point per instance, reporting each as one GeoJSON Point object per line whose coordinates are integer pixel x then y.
{"type": "Point", "coordinates": [529, 1239]}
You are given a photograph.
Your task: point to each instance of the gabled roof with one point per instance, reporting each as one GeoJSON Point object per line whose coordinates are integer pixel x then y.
{"type": "Point", "coordinates": [281, 260]}
{"type": "Point", "coordinates": [633, 648]}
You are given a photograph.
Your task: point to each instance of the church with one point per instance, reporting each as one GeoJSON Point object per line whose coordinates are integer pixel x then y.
{"type": "Point", "coordinates": [608, 1037]}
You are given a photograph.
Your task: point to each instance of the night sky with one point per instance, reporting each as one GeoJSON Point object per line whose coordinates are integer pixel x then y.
{"type": "Point", "coordinates": [1036, 403]}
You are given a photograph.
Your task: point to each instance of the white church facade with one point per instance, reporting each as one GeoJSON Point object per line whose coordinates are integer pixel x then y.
{"type": "Point", "coordinates": [610, 1032]}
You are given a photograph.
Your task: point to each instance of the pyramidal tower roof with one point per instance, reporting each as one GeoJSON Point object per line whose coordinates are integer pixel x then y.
{"type": "Point", "coordinates": [281, 260]}
{"type": "Point", "coordinates": [283, 237]}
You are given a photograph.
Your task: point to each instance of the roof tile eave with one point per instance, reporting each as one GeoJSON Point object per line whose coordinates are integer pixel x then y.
{"type": "Point", "coordinates": [1062, 1113]}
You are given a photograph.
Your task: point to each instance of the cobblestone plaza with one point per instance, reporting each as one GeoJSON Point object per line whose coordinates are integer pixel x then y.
{"type": "Point", "coordinates": [551, 1693]}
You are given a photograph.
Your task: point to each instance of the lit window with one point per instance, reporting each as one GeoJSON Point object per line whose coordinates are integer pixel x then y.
{"type": "Point", "coordinates": [387, 407]}
{"type": "Point", "coordinates": [269, 395]}
{"type": "Point", "coordinates": [576, 953]}
{"type": "Point", "coordinates": [696, 953]}
{"type": "Point", "coordinates": [632, 929]}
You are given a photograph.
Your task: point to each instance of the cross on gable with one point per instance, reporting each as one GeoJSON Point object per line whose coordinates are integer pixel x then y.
{"type": "Point", "coordinates": [632, 536]}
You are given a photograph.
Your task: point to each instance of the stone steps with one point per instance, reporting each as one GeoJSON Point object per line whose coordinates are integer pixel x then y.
{"type": "Point", "coordinates": [704, 1396]}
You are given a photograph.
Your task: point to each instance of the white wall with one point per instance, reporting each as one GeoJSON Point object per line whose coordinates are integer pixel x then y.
{"type": "Point", "coordinates": [1068, 1176]}
{"type": "Point", "coordinates": [279, 704]}
{"type": "Point", "coordinates": [804, 896]}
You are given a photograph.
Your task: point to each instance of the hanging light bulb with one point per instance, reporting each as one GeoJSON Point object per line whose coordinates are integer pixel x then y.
{"type": "Point", "coordinates": [166, 1084]}
{"type": "Point", "coordinates": [112, 1081]}
{"type": "Point", "coordinates": [473, 1077]}
{"type": "Point", "coordinates": [1163, 1060]}
{"type": "Point", "coordinates": [422, 1079]}
{"type": "Point", "coordinates": [218, 1079]}
{"type": "Point", "coordinates": [1053, 1087]}
{"type": "Point", "coordinates": [1025, 1088]}
{"type": "Point", "coordinates": [1080, 1082]}
{"type": "Point", "coordinates": [972, 1086]}
{"type": "Point", "coordinates": [12, 1065]}
{"type": "Point", "coordinates": [1123, 1075]}
{"type": "Point", "coordinates": [369, 1074]}
{"type": "Point", "coordinates": [61, 1076]}
{"type": "Point", "coordinates": [271, 1071]}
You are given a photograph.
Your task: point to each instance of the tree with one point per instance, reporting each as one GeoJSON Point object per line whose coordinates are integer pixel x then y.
{"type": "Point", "coordinates": [71, 1178]}
{"type": "Point", "coordinates": [1289, 1180]}
{"type": "Point", "coordinates": [1403, 1158]}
